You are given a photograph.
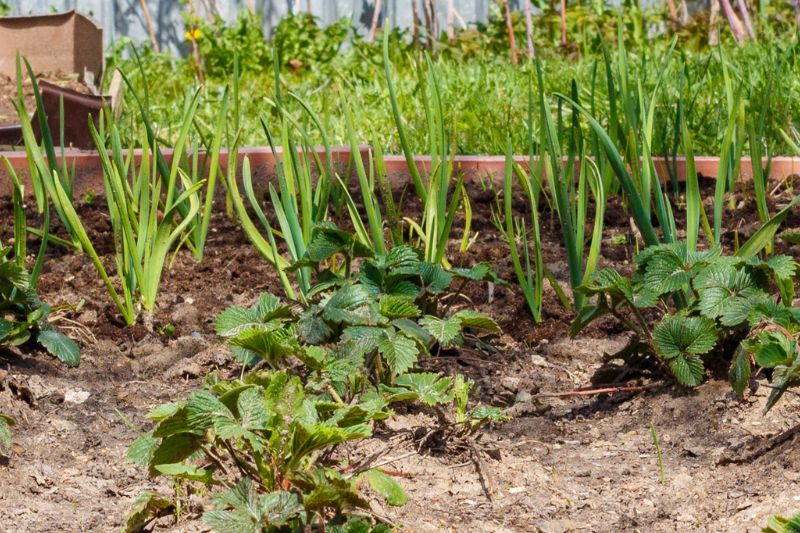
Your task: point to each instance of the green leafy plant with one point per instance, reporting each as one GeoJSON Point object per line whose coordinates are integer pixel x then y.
{"type": "Point", "coordinates": [143, 236]}
{"type": "Point", "coordinates": [380, 319]}
{"type": "Point", "coordinates": [47, 177]}
{"type": "Point", "coordinates": [259, 443]}
{"type": "Point", "coordinates": [439, 206]}
{"type": "Point", "coordinates": [264, 443]}
{"type": "Point", "coordinates": [710, 299]}
{"type": "Point", "coordinates": [298, 201]}
{"type": "Point", "coordinates": [23, 316]}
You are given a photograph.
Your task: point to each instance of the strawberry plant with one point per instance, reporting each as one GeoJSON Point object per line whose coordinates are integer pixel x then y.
{"type": "Point", "coordinates": [257, 443]}
{"type": "Point", "coordinates": [23, 316]}
{"type": "Point", "coordinates": [703, 301]}
{"type": "Point", "coordinates": [377, 321]}
{"type": "Point", "coordinates": [263, 443]}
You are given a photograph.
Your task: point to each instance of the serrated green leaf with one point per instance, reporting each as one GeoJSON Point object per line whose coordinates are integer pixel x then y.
{"type": "Point", "coordinates": [327, 242]}
{"type": "Point", "coordinates": [413, 330]}
{"type": "Point", "coordinates": [184, 471]}
{"type": "Point", "coordinates": [432, 388]}
{"type": "Point", "coordinates": [279, 507]}
{"type": "Point", "coordinates": [608, 281]}
{"type": "Point", "coordinates": [666, 273]}
{"type": "Point", "coordinates": [63, 348]}
{"type": "Point", "coordinates": [270, 345]}
{"type": "Point", "coordinates": [231, 522]}
{"type": "Point", "coordinates": [783, 266]}
{"type": "Point", "coordinates": [143, 448]}
{"type": "Point", "coordinates": [485, 413]}
{"type": "Point", "coordinates": [739, 373]}
{"type": "Point", "coordinates": [386, 486]}
{"type": "Point", "coordinates": [351, 304]}
{"type": "Point", "coordinates": [365, 337]}
{"type": "Point", "coordinates": [174, 449]}
{"type": "Point", "coordinates": [165, 410]}
{"type": "Point", "coordinates": [687, 369]}
{"type": "Point", "coordinates": [201, 410]}
{"type": "Point", "coordinates": [270, 307]}
{"type": "Point", "coordinates": [678, 335]}
{"type": "Point", "coordinates": [403, 287]}
{"type": "Point", "coordinates": [482, 271]}
{"type": "Point", "coordinates": [252, 410]}
{"type": "Point", "coordinates": [393, 306]}
{"type": "Point", "coordinates": [773, 348]}
{"type": "Point", "coordinates": [680, 341]}
{"type": "Point", "coordinates": [435, 279]}
{"type": "Point", "coordinates": [726, 294]}
{"type": "Point", "coordinates": [473, 319]}
{"type": "Point", "coordinates": [231, 430]}
{"type": "Point", "coordinates": [401, 259]}
{"type": "Point", "coordinates": [308, 438]}
{"type": "Point", "coordinates": [446, 332]}
{"type": "Point", "coordinates": [313, 328]}
{"type": "Point", "coordinates": [13, 276]}
{"type": "Point", "coordinates": [233, 320]}
{"type": "Point", "coordinates": [399, 352]}
{"type": "Point", "coordinates": [147, 507]}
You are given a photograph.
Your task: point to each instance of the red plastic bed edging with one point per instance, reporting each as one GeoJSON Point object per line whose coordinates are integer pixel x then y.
{"type": "Point", "coordinates": [88, 168]}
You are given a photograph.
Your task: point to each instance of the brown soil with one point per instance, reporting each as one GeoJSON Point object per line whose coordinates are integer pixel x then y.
{"type": "Point", "coordinates": [562, 464]}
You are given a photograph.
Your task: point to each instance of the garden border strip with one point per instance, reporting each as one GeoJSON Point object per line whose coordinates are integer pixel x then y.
{"type": "Point", "coordinates": [90, 178]}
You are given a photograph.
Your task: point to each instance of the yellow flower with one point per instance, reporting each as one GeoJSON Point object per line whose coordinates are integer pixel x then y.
{"type": "Point", "coordinates": [192, 34]}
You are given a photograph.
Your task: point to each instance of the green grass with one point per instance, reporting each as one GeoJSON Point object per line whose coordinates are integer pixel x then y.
{"type": "Point", "coordinates": [484, 94]}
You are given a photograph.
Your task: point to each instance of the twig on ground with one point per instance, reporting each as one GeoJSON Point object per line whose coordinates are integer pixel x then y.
{"type": "Point", "coordinates": [393, 459]}
{"type": "Point", "coordinates": [487, 483]}
{"type": "Point", "coordinates": [595, 392]}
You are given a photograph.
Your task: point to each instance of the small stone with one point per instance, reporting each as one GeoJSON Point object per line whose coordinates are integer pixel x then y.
{"type": "Point", "coordinates": [554, 526]}
{"type": "Point", "coordinates": [88, 318]}
{"type": "Point", "coordinates": [523, 397]}
{"type": "Point", "coordinates": [76, 396]}
{"type": "Point", "coordinates": [510, 383]}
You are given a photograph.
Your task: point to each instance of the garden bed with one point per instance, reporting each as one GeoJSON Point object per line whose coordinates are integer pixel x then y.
{"type": "Point", "coordinates": [564, 463]}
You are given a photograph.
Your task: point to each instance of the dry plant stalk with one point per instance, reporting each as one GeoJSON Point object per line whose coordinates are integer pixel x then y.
{"type": "Point", "coordinates": [673, 14]}
{"type": "Point", "coordinates": [510, 27]}
{"type": "Point", "coordinates": [376, 15]}
{"type": "Point", "coordinates": [529, 30]}
{"type": "Point", "coordinates": [733, 21]}
{"type": "Point", "coordinates": [451, 34]}
{"type": "Point", "coordinates": [713, 17]}
{"type": "Point", "coordinates": [148, 19]}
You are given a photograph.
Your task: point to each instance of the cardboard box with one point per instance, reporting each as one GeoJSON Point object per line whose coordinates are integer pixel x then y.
{"type": "Point", "coordinates": [63, 42]}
